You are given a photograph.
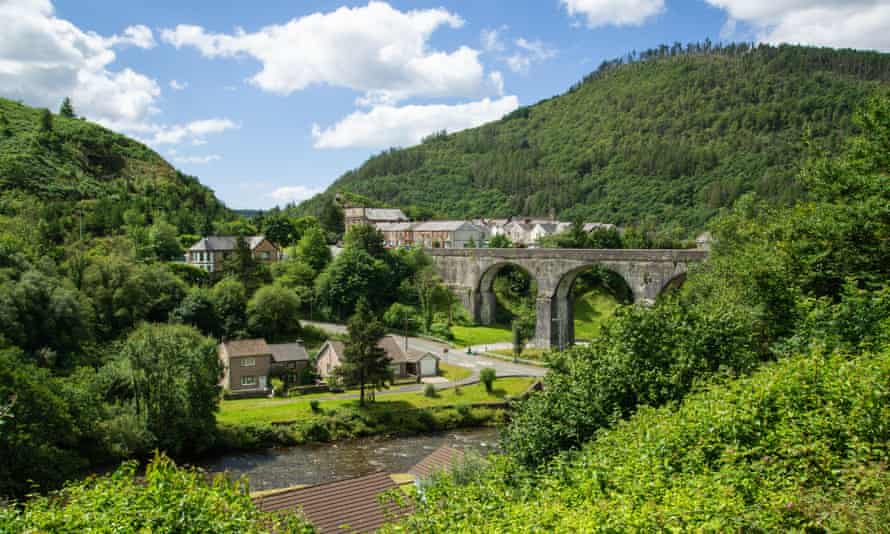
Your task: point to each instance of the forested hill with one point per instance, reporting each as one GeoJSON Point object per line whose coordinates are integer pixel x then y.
{"type": "Point", "coordinates": [667, 137]}
{"type": "Point", "coordinates": [61, 169]}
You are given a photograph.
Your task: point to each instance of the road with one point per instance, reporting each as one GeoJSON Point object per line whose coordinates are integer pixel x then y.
{"type": "Point", "coordinates": [453, 356]}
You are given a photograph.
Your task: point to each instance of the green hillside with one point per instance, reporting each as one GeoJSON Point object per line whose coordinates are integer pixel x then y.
{"type": "Point", "coordinates": [666, 136]}
{"type": "Point", "coordinates": [69, 167]}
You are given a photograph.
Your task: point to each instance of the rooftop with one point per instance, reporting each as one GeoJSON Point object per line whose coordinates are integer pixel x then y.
{"type": "Point", "coordinates": [350, 504]}
{"type": "Point", "coordinates": [245, 347]}
{"type": "Point", "coordinates": [289, 352]}
{"type": "Point", "coordinates": [224, 242]}
{"type": "Point", "coordinates": [385, 214]}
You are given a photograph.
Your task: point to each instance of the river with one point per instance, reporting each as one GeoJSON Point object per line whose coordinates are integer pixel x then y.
{"type": "Point", "coordinates": [327, 462]}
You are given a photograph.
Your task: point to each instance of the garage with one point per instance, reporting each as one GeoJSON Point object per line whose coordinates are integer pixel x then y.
{"type": "Point", "coordinates": [428, 365]}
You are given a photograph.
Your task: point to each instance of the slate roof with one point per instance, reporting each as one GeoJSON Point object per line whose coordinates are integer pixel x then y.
{"type": "Point", "coordinates": [395, 226]}
{"type": "Point", "coordinates": [224, 242]}
{"type": "Point", "coordinates": [289, 352]}
{"type": "Point", "coordinates": [395, 349]}
{"type": "Point", "coordinates": [589, 227]}
{"type": "Point", "coordinates": [245, 347]}
{"type": "Point", "coordinates": [349, 505]}
{"type": "Point", "coordinates": [385, 214]}
{"type": "Point", "coordinates": [441, 459]}
{"type": "Point", "coordinates": [444, 226]}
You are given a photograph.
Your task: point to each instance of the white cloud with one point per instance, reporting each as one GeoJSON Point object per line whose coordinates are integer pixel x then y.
{"type": "Point", "coordinates": [139, 36]}
{"type": "Point", "coordinates": [528, 52]}
{"type": "Point", "coordinates": [497, 80]}
{"type": "Point", "coordinates": [863, 24]}
{"type": "Point", "coordinates": [43, 59]}
{"type": "Point", "coordinates": [297, 193]}
{"type": "Point", "coordinates": [614, 12]}
{"type": "Point", "coordinates": [197, 160]}
{"type": "Point", "coordinates": [194, 131]}
{"type": "Point", "coordinates": [385, 126]}
{"type": "Point", "coordinates": [375, 49]}
{"type": "Point", "coordinates": [178, 86]}
{"type": "Point", "coordinates": [491, 39]}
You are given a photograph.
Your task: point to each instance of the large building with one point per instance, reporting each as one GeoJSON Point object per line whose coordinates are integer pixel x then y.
{"type": "Point", "coordinates": [433, 234]}
{"type": "Point", "coordinates": [210, 252]}
{"type": "Point", "coordinates": [354, 215]}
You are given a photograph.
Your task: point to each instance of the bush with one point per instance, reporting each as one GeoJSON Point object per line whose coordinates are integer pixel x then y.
{"type": "Point", "coordinates": [166, 499]}
{"type": "Point", "coordinates": [278, 387]}
{"type": "Point", "coordinates": [314, 405]}
{"type": "Point", "coordinates": [800, 446]}
{"type": "Point", "coordinates": [441, 331]}
{"type": "Point", "coordinates": [487, 377]}
{"type": "Point", "coordinates": [430, 391]}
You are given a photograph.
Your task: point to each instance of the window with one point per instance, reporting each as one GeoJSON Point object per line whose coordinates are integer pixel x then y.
{"type": "Point", "coordinates": [248, 362]}
{"type": "Point", "coordinates": [248, 380]}
{"type": "Point", "coordinates": [264, 255]}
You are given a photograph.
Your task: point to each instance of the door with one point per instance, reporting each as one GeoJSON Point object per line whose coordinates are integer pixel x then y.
{"type": "Point", "coordinates": [428, 367]}
{"type": "Point", "coordinates": [262, 382]}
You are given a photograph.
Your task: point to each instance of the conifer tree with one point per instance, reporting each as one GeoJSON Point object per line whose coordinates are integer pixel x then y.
{"type": "Point", "coordinates": [67, 109]}
{"type": "Point", "coordinates": [364, 362]}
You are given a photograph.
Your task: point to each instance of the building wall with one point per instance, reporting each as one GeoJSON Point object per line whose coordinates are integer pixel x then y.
{"type": "Point", "coordinates": [327, 361]}
{"type": "Point", "coordinates": [234, 372]}
{"type": "Point", "coordinates": [265, 252]}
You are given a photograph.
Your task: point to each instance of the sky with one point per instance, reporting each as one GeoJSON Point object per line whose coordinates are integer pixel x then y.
{"type": "Point", "coordinates": [269, 101]}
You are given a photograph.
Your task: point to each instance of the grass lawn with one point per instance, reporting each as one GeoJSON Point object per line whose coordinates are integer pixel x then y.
{"type": "Point", "coordinates": [591, 309]}
{"type": "Point", "coordinates": [246, 411]}
{"type": "Point", "coordinates": [465, 336]}
{"type": "Point", "coordinates": [453, 373]}
{"type": "Point", "coordinates": [527, 353]}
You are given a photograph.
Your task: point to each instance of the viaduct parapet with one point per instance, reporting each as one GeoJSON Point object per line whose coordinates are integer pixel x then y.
{"type": "Point", "coordinates": [470, 272]}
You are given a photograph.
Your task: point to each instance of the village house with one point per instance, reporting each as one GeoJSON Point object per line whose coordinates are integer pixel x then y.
{"type": "Point", "coordinates": [432, 234]}
{"type": "Point", "coordinates": [210, 252]}
{"type": "Point", "coordinates": [249, 362]}
{"type": "Point", "coordinates": [354, 215]}
{"type": "Point", "coordinates": [405, 363]}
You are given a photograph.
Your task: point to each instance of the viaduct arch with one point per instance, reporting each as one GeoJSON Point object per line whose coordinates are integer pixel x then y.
{"type": "Point", "coordinates": [469, 273]}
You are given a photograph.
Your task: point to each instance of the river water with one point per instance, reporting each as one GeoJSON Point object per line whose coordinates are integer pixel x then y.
{"type": "Point", "coordinates": [327, 462]}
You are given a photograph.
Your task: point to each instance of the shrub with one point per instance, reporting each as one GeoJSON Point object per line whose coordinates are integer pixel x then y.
{"type": "Point", "coordinates": [487, 377]}
{"type": "Point", "coordinates": [441, 330]}
{"type": "Point", "coordinates": [430, 391]}
{"type": "Point", "coordinates": [166, 499]}
{"type": "Point", "coordinates": [278, 387]}
{"type": "Point", "coordinates": [314, 405]}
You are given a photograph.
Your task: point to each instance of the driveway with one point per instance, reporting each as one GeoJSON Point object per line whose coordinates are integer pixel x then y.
{"type": "Point", "coordinates": [453, 356]}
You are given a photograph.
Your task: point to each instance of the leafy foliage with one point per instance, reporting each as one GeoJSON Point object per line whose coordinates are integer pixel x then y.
{"type": "Point", "coordinates": [166, 499]}
{"type": "Point", "coordinates": [668, 136]}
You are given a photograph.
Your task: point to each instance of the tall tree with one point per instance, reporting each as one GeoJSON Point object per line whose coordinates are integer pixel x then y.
{"type": "Point", "coordinates": [313, 249]}
{"type": "Point", "coordinates": [364, 363]}
{"type": "Point", "coordinates": [67, 109]}
{"type": "Point", "coordinates": [272, 314]}
{"type": "Point", "coordinates": [175, 380]}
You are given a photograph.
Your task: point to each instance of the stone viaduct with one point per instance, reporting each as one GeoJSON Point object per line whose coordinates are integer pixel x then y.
{"type": "Point", "coordinates": [470, 272]}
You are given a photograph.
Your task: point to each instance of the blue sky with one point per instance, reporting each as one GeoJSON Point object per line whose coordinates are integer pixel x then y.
{"type": "Point", "coordinates": [270, 101]}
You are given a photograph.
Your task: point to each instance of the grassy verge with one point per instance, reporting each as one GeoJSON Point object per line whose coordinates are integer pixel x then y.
{"type": "Point", "coordinates": [247, 411]}
{"type": "Point", "coordinates": [453, 373]}
{"type": "Point", "coordinates": [591, 309]}
{"type": "Point", "coordinates": [249, 424]}
{"type": "Point", "coordinates": [465, 336]}
{"type": "Point", "coordinates": [527, 354]}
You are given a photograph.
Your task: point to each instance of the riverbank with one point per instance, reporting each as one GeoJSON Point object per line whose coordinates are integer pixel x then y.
{"type": "Point", "coordinates": [251, 424]}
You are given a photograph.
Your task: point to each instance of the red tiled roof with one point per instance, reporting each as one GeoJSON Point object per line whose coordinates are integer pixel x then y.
{"type": "Point", "coordinates": [440, 459]}
{"type": "Point", "coordinates": [350, 505]}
